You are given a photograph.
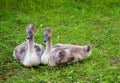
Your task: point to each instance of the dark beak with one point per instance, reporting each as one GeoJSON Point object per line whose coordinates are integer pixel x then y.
{"type": "Point", "coordinates": [29, 34]}
{"type": "Point", "coordinates": [45, 38]}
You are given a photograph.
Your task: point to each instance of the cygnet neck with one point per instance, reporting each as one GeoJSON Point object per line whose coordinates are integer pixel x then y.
{"type": "Point", "coordinates": [49, 45]}
{"type": "Point", "coordinates": [31, 44]}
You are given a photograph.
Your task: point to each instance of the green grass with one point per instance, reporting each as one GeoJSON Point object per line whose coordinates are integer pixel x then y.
{"type": "Point", "coordinates": [81, 22]}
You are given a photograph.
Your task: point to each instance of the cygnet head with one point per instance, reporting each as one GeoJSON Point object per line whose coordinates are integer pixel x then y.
{"type": "Point", "coordinates": [30, 29]}
{"type": "Point", "coordinates": [47, 33]}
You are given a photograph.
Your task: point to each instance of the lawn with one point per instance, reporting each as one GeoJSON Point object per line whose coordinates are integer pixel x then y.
{"type": "Point", "coordinates": [79, 22]}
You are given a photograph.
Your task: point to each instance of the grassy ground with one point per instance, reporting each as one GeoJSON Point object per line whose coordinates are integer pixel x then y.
{"type": "Point", "coordinates": [81, 22]}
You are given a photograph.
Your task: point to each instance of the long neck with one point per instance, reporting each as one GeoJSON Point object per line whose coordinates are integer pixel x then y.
{"type": "Point", "coordinates": [49, 45]}
{"type": "Point", "coordinates": [31, 45]}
